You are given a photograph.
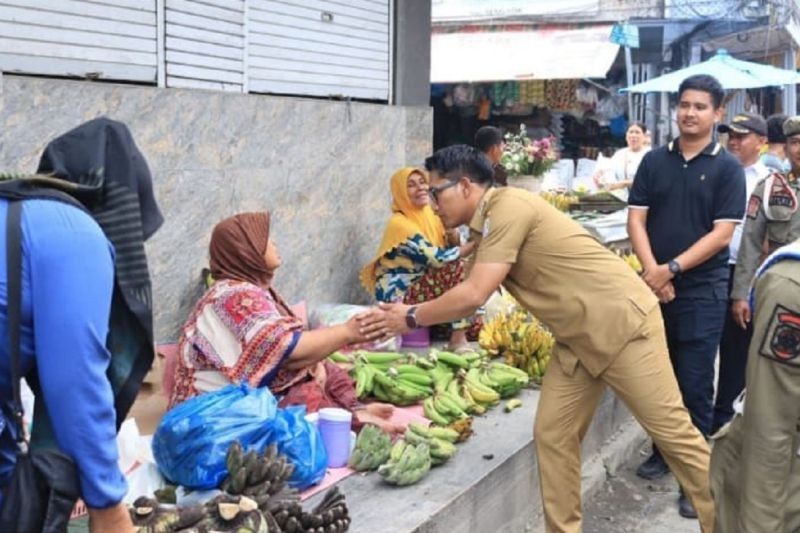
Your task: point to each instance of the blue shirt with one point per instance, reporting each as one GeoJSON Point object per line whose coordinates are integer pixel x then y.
{"type": "Point", "coordinates": [684, 199]}
{"type": "Point", "coordinates": [67, 284]}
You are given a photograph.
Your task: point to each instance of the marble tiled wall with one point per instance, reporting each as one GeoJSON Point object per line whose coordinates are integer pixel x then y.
{"type": "Point", "coordinates": [321, 167]}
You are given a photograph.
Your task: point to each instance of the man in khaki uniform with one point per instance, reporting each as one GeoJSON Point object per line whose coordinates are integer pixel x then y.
{"type": "Point", "coordinates": [755, 468]}
{"type": "Point", "coordinates": [772, 216]}
{"type": "Point", "coordinates": [606, 322]}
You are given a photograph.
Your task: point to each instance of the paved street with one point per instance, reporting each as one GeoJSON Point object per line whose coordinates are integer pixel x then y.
{"type": "Point", "coordinates": [627, 504]}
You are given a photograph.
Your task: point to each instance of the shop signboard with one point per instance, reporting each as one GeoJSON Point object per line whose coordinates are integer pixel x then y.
{"type": "Point", "coordinates": [625, 35]}
{"type": "Point", "coordinates": [467, 10]}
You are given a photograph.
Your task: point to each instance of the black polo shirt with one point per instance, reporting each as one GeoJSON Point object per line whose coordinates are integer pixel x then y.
{"type": "Point", "coordinates": [683, 200]}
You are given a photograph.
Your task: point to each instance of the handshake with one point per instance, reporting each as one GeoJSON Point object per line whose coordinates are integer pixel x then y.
{"type": "Point", "coordinates": [378, 323]}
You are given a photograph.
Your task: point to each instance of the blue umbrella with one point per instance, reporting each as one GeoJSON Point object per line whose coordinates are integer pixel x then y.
{"type": "Point", "coordinates": [732, 73]}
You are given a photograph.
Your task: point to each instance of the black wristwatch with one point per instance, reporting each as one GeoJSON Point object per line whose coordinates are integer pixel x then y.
{"type": "Point", "coordinates": [411, 317]}
{"type": "Point", "coordinates": [675, 268]}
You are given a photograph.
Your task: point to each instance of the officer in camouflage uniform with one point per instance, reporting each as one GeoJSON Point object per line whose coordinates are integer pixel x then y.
{"type": "Point", "coordinates": [755, 468]}
{"type": "Point", "coordinates": [772, 217]}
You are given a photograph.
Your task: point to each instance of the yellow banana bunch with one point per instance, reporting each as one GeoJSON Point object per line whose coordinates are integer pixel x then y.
{"type": "Point", "coordinates": [520, 338]}
{"type": "Point", "coordinates": [632, 261]}
{"type": "Point", "coordinates": [559, 200]}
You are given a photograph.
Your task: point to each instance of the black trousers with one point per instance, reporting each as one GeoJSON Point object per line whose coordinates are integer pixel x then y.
{"type": "Point", "coordinates": [732, 365]}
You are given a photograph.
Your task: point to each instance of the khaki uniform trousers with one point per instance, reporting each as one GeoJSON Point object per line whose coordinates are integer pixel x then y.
{"type": "Point", "coordinates": [642, 377]}
{"type": "Point", "coordinates": [755, 467]}
{"type": "Point", "coordinates": [726, 483]}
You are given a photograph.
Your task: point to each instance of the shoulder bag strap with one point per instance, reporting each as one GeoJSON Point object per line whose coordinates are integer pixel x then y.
{"type": "Point", "coordinates": [14, 284]}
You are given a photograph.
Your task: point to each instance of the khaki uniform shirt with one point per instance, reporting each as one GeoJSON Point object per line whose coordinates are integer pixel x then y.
{"type": "Point", "coordinates": [781, 228]}
{"type": "Point", "coordinates": [590, 299]}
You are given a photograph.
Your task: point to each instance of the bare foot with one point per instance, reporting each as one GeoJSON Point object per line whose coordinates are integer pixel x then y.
{"type": "Point", "coordinates": [381, 410]}
{"type": "Point", "coordinates": [366, 417]}
{"type": "Point", "coordinates": [458, 341]}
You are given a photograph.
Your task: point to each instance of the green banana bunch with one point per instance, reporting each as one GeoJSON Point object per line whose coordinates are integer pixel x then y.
{"type": "Point", "coordinates": [441, 451]}
{"type": "Point", "coordinates": [339, 357]}
{"type": "Point", "coordinates": [371, 450]}
{"type": "Point", "coordinates": [439, 440]}
{"type": "Point", "coordinates": [449, 358]}
{"type": "Point", "coordinates": [402, 386]}
{"type": "Point", "coordinates": [364, 377]}
{"type": "Point", "coordinates": [504, 379]}
{"type": "Point", "coordinates": [478, 390]}
{"type": "Point", "coordinates": [412, 465]}
{"type": "Point", "coordinates": [442, 375]}
{"type": "Point", "coordinates": [445, 407]}
{"type": "Point", "coordinates": [381, 360]}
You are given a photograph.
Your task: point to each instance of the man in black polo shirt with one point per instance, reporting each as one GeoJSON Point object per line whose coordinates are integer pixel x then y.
{"type": "Point", "coordinates": [685, 203]}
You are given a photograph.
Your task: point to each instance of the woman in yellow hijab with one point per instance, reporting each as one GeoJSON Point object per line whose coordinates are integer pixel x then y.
{"type": "Point", "coordinates": [413, 263]}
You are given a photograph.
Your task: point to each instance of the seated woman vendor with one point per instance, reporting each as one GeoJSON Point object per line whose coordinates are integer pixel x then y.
{"type": "Point", "coordinates": [413, 263]}
{"type": "Point", "coordinates": [242, 331]}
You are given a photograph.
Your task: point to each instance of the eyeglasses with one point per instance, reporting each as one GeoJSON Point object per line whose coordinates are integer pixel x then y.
{"type": "Point", "coordinates": [433, 192]}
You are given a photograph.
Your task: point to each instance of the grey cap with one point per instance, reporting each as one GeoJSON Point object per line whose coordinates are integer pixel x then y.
{"type": "Point", "coordinates": [791, 126]}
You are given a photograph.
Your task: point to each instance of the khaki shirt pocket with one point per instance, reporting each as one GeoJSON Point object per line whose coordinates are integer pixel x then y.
{"type": "Point", "coordinates": [778, 231]}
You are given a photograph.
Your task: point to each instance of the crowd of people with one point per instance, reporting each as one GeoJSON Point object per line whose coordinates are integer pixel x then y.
{"type": "Point", "coordinates": [707, 223]}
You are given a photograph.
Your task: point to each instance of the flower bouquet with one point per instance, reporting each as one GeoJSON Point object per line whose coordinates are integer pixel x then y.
{"type": "Point", "coordinates": [526, 157]}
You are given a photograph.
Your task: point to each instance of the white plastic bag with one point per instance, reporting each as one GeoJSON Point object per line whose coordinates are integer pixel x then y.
{"type": "Point", "coordinates": [327, 315]}
{"type": "Point", "coordinates": [137, 463]}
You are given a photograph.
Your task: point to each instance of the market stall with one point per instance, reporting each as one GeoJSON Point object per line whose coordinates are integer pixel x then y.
{"type": "Point", "coordinates": [566, 87]}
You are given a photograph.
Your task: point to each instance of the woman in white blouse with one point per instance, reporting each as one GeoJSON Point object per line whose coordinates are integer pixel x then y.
{"type": "Point", "coordinates": [617, 175]}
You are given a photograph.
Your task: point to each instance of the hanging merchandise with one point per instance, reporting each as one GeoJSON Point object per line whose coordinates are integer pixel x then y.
{"type": "Point", "coordinates": [557, 129]}
{"type": "Point", "coordinates": [612, 105]}
{"type": "Point", "coordinates": [498, 93]}
{"type": "Point", "coordinates": [464, 95]}
{"type": "Point", "coordinates": [537, 92]}
{"type": "Point", "coordinates": [513, 96]}
{"type": "Point", "coordinates": [560, 95]}
{"type": "Point", "coordinates": [532, 92]}
{"type": "Point", "coordinates": [587, 97]}
{"type": "Point", "coordinates": [505, 94]}
{"type": "Point", "coordinates": [484, 108]}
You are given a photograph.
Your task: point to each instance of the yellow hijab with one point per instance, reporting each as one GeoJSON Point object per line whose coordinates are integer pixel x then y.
{"type": "Point", "coordinates": [406, 221]}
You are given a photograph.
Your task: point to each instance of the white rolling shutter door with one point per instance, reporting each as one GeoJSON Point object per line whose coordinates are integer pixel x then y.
{"type": "Point", "coordinates": [107, 39]}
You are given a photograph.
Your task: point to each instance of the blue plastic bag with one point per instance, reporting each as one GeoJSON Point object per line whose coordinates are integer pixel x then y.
{"type": "Point", "coordinates": [192, 440]}
{"type": "Point", "coordinates": [301, 442]}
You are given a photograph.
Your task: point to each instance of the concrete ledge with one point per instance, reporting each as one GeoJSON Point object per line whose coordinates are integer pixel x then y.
{"type": "Point", "coordinates": [491, 485]}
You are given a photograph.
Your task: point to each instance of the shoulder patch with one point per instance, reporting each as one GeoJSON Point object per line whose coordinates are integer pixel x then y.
{"type": "Point", "coordinates": [753, 205]}
{"type": "Point", "coordinates": [781, 341]}
{"type": "Point", "coordinates": [781, 195]}
{"type": "Point", "coordinates": [485, 231]}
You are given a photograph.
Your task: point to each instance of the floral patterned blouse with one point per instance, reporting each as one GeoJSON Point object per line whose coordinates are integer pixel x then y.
{"type": "Point", "coordinates": [236, 333]}
{"type": "Point", "coordinates": [405, 264]}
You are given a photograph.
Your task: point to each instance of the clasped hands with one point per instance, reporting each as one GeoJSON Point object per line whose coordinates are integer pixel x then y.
{"type": "Point", "coordinates": [659, 279]}
{"type": "Point", "coordinates": [380, 323]}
